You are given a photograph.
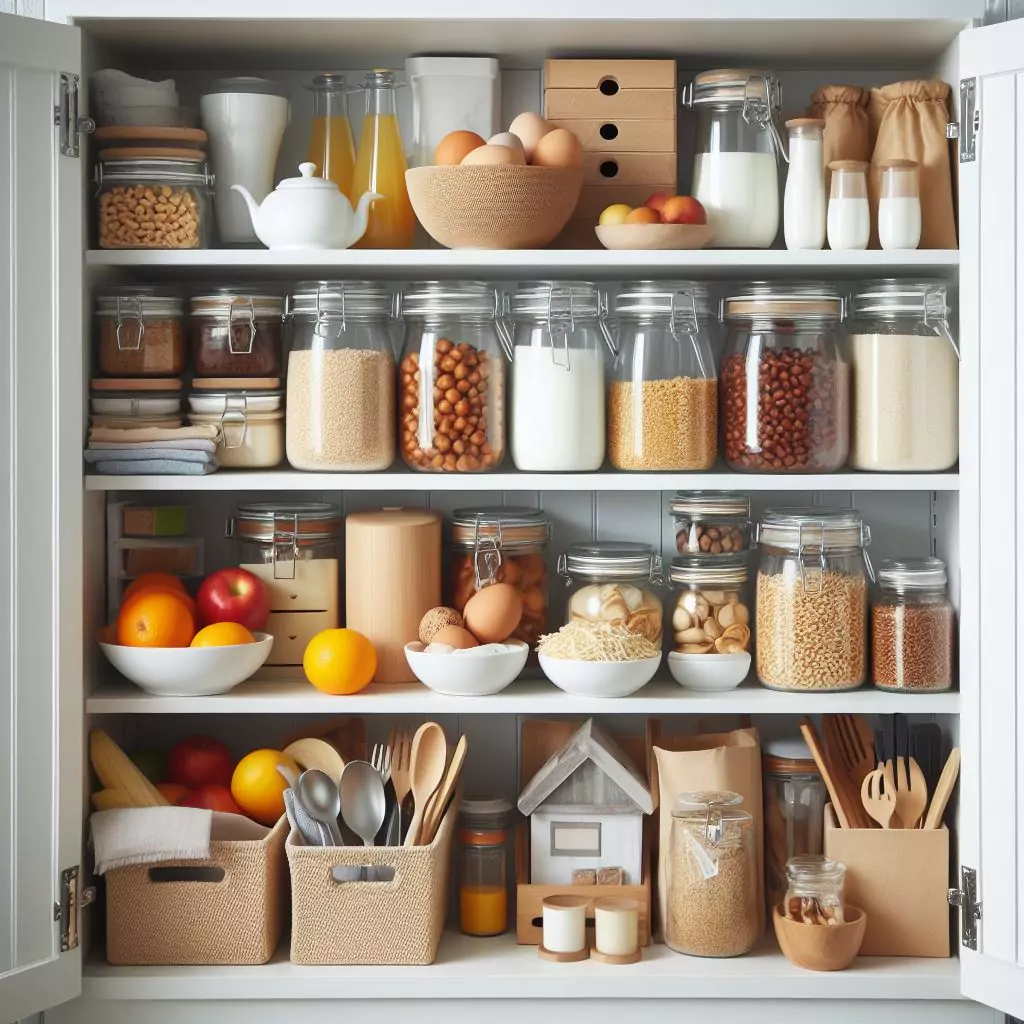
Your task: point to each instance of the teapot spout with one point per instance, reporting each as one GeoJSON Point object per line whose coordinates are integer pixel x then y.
{"type": "Point", "coordinates": [254, 207]}
{"type": "Point", "coordinates": [362, 216]}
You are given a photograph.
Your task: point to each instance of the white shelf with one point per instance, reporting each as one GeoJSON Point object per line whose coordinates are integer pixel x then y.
{"type": "Point", "coordinates": [526, 696]}
{"type": "Point", "coordinates": [406, 480]}
{"type": "Point", "coordinates": [490, 969]}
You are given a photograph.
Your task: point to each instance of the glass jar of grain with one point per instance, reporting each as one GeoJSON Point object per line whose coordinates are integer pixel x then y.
{"type": "Point", "coordinates": [662, 404]}
{"type": "Point", "coordinates": [912, 627]}
{"type": "Point", "coordinates": [712, 876]}
{"type": "Point", "coordinates": [341, 377]}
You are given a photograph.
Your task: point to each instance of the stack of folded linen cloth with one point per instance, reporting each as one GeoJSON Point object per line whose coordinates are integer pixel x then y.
{"type": "Point", "coordinates": [178, 451]}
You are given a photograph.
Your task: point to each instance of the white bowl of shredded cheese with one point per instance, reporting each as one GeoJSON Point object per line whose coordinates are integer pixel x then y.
{"type": "Point", "coordinates": [599, 678]}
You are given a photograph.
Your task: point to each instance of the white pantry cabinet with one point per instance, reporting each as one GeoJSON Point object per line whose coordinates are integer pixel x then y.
{"type": "Point", "coordinates": [52, 686]}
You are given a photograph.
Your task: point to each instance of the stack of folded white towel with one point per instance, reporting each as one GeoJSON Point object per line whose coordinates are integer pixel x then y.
{"type": "Point", "coordinates": [180, 451]}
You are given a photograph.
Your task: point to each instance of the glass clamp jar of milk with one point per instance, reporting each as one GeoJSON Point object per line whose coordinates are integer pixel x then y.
{"type": "Point", "coordinates": [735, 166]}
{"type": "Point", "coordinates": [558, 382]}
{"type": "Point", "coordinates": [906, 373]}
{"type": "Point", "coordinates": [804, 207]}
{"type": "Point", "coordinates": [849, 219]}
{"type": "Point", "coordinates": [899, 205]}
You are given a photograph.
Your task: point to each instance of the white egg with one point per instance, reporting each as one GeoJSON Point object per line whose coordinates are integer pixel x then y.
{"type": "Point", "coordinates": [492, 156]}
{"type": "Point", "coordinates": [508, 139]}
{"type": "Point", "coordinates": [530, 128]}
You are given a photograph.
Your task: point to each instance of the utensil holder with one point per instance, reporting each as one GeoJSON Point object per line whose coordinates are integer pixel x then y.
{"type": "Point", "coordinates": [228, 909]}
{"type": "Point", "coordinates": [395, 920]}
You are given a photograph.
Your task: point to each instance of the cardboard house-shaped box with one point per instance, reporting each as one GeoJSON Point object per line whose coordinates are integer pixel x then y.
{"type": "Point", "coordinates": [586, 807]}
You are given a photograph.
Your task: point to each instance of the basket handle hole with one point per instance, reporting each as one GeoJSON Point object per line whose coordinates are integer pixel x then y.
{"type": "Point", "coordinates": [182, 873]}
{"type": "Point", "coordinates": [344, 873]}
{"type": "Point", "coordinates": [608, 86]}
{"type": "Point", "coordinates": [609, 168]}
{"type": "Point", "coordinates": [609, 132]}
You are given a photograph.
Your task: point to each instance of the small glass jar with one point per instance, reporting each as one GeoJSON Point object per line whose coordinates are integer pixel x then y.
{"type": "Point", "coordinates": [141, 333]}
{"type": "Point", "coordinates": [815, 890]}
{"type": "Point", "coordinates": [738, 143]}
{"type": "Point", "coordinates": [128, 402]}
{"type": "Point", "coordinates": [906, 378]}
{"type": "Point", "coordinates": [246, 439]}
{"type": "Point", "coordinates": [899, 205]}
{"type": "Point", "coordinates": [452, 399]}
{"type": "Point", "coordinates": [912, 627]}
{"type": "Point", "coordinates": [558, 389]}
{"type": "Point", "coordinates": [154, 203]}
{"type": "Point", "coordinates": [709, 611]}
{"type": "Point", "coordinates": [812, 599]}
{"type": "Point", "coordinates": [614, 582]}
{"type": "Point", "coordinates": [483, 865]}
{"type": "Point", "coordinates": [711, 522]}
{"type": "Point", "coordinates": [785, 382]}
{"type": "Point", "coordinates": [502, 544]}
{"type": "Point", "coordinates": [341, 377]}
{"type": "Point", "coordinates": [236, 333]}
{"type": "Point", "coordinates": [794, 810]}
{"type": "Point", "coordinates": [236, 394]}
{"type": "Point", "coordinates": [663, 400]}
{"type": "Point", "coordinates": [712, 907]}
{"type": "Point", "coordinates": [849, 218]}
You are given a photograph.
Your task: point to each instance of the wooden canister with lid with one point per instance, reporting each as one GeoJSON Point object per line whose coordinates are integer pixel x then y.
{"type": "Point", "coordinates": [392, 578]}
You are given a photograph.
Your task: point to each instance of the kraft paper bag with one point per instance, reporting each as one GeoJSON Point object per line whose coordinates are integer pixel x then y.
{"type": "Point", "coordinates": [847, 134]}
{"type": "Point", "coordinates": [718, 761]}
{"type": "Point", "coordinates": [908, 120]}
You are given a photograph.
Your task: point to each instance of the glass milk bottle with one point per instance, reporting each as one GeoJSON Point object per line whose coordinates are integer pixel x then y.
{"type": "Point", "coordinates": [849, 220]}
{"type": "Point", "coordinates": [804, 208]}
{"type": "Point", "coordinates": [899, 205]}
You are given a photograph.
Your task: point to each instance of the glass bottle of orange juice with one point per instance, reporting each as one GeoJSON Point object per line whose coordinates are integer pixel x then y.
{"type": "Point", "coordinates": [330, 145]}
{"type": "Point", "coordinates": [380, 167]}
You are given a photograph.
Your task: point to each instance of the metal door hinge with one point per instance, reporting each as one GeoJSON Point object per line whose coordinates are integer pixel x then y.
{"type": "Point", "coordinates": [970, 121]}
{"type": "Point", "coordinates": [966, 898]}
{"type": "Point", "coordinates": [72, 899]}
{"type": "Point", "coordinates": [65, 116]}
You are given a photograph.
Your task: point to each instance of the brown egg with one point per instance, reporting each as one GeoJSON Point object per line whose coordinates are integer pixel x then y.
{"type": "Point", "coordinates": [435, 620]}
{"type": "Point", "coordinates": [492, 614]}
{"type": "Point", "coordinates": [559, 148]}
{"type": "Point", "coordinates": [455, 146]}
{"type": "Point", "coordinates": [529, 128]}
{"type": "Point", "coordinates": [455, 636]}
{"type": "Point", "coordinates": [492, 156]}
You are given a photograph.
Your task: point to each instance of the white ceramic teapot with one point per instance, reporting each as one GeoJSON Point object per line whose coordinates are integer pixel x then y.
{"type": "Point", "coordinates": [307, 213]}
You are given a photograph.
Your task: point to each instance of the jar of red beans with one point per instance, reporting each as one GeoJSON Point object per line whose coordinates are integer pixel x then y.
{"type": "Point", "coordinates": [784, 383]}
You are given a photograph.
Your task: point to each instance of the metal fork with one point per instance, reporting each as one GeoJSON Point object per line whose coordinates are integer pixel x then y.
{"type": "Point", "coordinates": [381, 760]}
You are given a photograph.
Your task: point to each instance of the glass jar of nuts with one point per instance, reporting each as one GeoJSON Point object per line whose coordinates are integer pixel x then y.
{"type": "Point", "coordinates": [711, 522]}
{"type": "Point", "coordinates": [153, 203]}
{"type": "Point", "coordinates": [452, 378]}
{"type": "Point", "coordinates": [709, 612]}
{"type": "Point", "coordinates": [815, 893]}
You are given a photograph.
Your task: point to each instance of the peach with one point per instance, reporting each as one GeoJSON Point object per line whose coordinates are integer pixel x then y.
{"type": "Point", "coordinates": [644, 215]}
{"type": "Point", "coordinates": [658, 200]}
{"type": "Point", "coordinates": [615, 214]}
{"type": "Point", "coordinates": [683, 210]}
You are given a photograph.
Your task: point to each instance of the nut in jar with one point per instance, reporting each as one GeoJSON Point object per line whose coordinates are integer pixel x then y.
{"type": "Point", "coordinates": [709, 612]}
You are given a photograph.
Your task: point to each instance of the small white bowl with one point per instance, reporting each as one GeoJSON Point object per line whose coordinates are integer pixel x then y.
{"type": "Point", "coordinates": [599, 678]}
{"type": "Point", "coordinates": [189, 671]}
{"type": "Point", "coordinates": [711, 673]}
{"type": "Point", "coordinates": [467, 674]}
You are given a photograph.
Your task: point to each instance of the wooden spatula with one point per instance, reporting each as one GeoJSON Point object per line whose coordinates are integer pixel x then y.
{"type": "Point", "coordinates": [848, 739]}
{"type": "Point", "coordinates": [947, 780]}
{"type": "Point", "coordinates": [846, 802]}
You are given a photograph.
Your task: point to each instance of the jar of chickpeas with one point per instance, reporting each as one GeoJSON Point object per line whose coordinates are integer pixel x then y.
{"type": "Point", "coordinates": [502, 544]}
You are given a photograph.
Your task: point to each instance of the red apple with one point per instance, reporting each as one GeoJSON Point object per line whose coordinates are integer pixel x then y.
{"type": "Point", "coordinates": [200, 761]}
{"type": "Point", "coordinates": [658, 200]}
{"type": "Point", "coordinates": [213, 798]}
{"type": "Point", "coordinates": [234, 595]}
{"type": "Point", "coordinates": [683, 210]}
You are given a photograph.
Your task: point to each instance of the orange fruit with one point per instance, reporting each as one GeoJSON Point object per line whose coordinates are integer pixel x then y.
{"type": "Point", "coordinates": [152, 579]}
{"type": "Point", "coordinates": [179, 594]}
{"type": "Point", "coordinates": [156, 618]}
{"type": "Point", "coordinates": [339, 661]}
{"type": "Point", "coordinates": [258, 787]}
{"type": "Point", "coordinates": [223, 634]}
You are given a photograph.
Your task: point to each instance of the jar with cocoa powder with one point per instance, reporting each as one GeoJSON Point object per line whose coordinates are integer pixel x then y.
{"type": "Point", "coordinates": [785, 384]}
{"type": "Point", "coordinates": [141, 333]}
{"type": "Point", "coordinates": [502, 544]}
{"type": "Point", "coordinates": [237, 333]}
{"type": "Point", "coordinates": [452, 377]}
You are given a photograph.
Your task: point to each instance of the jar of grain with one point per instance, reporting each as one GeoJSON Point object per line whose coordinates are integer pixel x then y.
{"type": "Point", "coordinates": [711, 522]}
{"type": "Point", "coordinates": [558, 391]}
{"type": "Point", "coordinates": [452, 381]}
{"type": "Point", "coordinates": [785, 382]}
{"type": "Point", "coordinates": [812, 599]}
{"type": "Point", "coordinates": [663, 400]}
{"type": "Point", "coordinates": [712, 876]}
{"type": "Point", "coordinates": [141, 333]}
{"type": "Point", "coordinates": [236, 333]}
{"type": "Point", "coordinates": [341, 377]}
{"type": "Point", "coordinates": [502, 544]}
{"type": "Point", "coordinates": [710, 611]}
{"type": "Point", "coordinates": [912, 627]}
{"type": "Point", "coordinates": [815, 890]}
{"type": "Point", "coordinates": [906, 378]}
{"type": "Point", "coordinates": [615, 582]}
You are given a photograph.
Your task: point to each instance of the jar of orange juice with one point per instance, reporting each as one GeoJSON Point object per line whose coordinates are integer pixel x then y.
{"type": "Point", "coordinates": [483, 882]}
{"type": "Point", "coordinates": [330, 143]}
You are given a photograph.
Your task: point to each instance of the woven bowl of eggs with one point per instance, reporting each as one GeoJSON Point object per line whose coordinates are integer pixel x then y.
{"type": "Point", "coordinates": [514, 191]}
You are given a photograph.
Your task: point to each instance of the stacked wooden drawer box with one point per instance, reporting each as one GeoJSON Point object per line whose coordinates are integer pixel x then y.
{"type": "Point", "coordinates": [624, 114]}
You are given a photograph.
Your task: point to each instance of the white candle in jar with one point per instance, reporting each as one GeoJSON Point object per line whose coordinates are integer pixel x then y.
{"type": "Point", "coordinates": [899, 222]}
{"type": "Point", "coordinates": [564, 924]}
{"type": "Point", "coordinates": [617, 926]}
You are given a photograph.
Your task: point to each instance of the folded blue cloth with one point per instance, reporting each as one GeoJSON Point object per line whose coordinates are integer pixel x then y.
{"type": "Point", "coordinates": [155, 467]}
{"type": "Point", "coordinates": [147, 454]}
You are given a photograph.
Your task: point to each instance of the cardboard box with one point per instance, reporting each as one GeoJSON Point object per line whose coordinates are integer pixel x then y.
{"type": "Point", "coordinates": [597, 135]}
{"type": "Point", "coordinates": [154, 521]}
{"type": "Point", "coordinates": [900, 879]}
{"type": "Point", "coordinates": [627, 74]}
{"type": "Point", "coordinates": [629, 169]}
{"type": "Point", "coordinates": [626, 104]}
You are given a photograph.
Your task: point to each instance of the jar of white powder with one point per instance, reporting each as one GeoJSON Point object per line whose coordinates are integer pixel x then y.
{"type": "Point", "coordinates": [906, 374]}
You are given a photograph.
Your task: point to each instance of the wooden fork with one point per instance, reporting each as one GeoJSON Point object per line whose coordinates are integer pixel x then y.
{"type": "Point", "coordinates": [877, 796]}
{"type": "Point", "coordinates": [849, 739]}
{"type": "Point", "coordinates": [911, 791]}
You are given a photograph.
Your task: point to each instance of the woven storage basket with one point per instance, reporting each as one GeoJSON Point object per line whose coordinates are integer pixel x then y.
{"type": "Point", "coordinates": [394, 922]}
{"type": "Point", "coordinates": [493, 207]}
{"type": "Point", "coordinates": [236, 920]}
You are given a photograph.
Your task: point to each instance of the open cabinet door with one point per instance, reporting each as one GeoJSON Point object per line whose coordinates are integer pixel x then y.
{"type": "Point", "coordinates": [41, 717]}
{"type": "Point", "coordinates": [991, 169]}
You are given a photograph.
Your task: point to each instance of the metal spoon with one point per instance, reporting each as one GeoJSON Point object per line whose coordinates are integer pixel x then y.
{"type": "Point", "coordinates": [320, 798]}
{"type": "Point", "coordinates": [362, 800]}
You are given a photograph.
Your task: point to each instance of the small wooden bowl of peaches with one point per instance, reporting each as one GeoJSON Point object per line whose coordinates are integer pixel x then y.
{"type": "Point", "coordinates": [663, 222]}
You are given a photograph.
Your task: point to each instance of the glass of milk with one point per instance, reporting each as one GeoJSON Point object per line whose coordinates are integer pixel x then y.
{"type": "Point", "coordinates": [899, 205]}
{"type": "Point", "coordinates": [849, 220]}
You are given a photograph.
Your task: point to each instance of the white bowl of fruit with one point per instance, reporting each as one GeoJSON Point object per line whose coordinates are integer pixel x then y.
{"type": "Point", "coordinates": [663, 222]}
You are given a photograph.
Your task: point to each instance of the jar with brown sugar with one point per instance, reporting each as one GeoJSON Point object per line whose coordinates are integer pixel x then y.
{"type": "Point", "coordinates": [141, 333]}
{"type": "Point", "coordinates": [237, 333]}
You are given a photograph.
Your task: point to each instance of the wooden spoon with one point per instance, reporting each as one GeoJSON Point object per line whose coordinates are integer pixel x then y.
{"type": "Point", "coordinates": [947, 780]}
{"type": "Point", "coordinates": [426, 765]}
{"type": "Point", "coordinates": [878, 799]}
{"type": "Point", "coordinates": [443, 797]}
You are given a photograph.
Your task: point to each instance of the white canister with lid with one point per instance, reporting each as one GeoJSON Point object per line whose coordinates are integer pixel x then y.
{"type": "Point", "coordinates": [247, 440]}
{"type": "Point", "coordinates": [218, 395]}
